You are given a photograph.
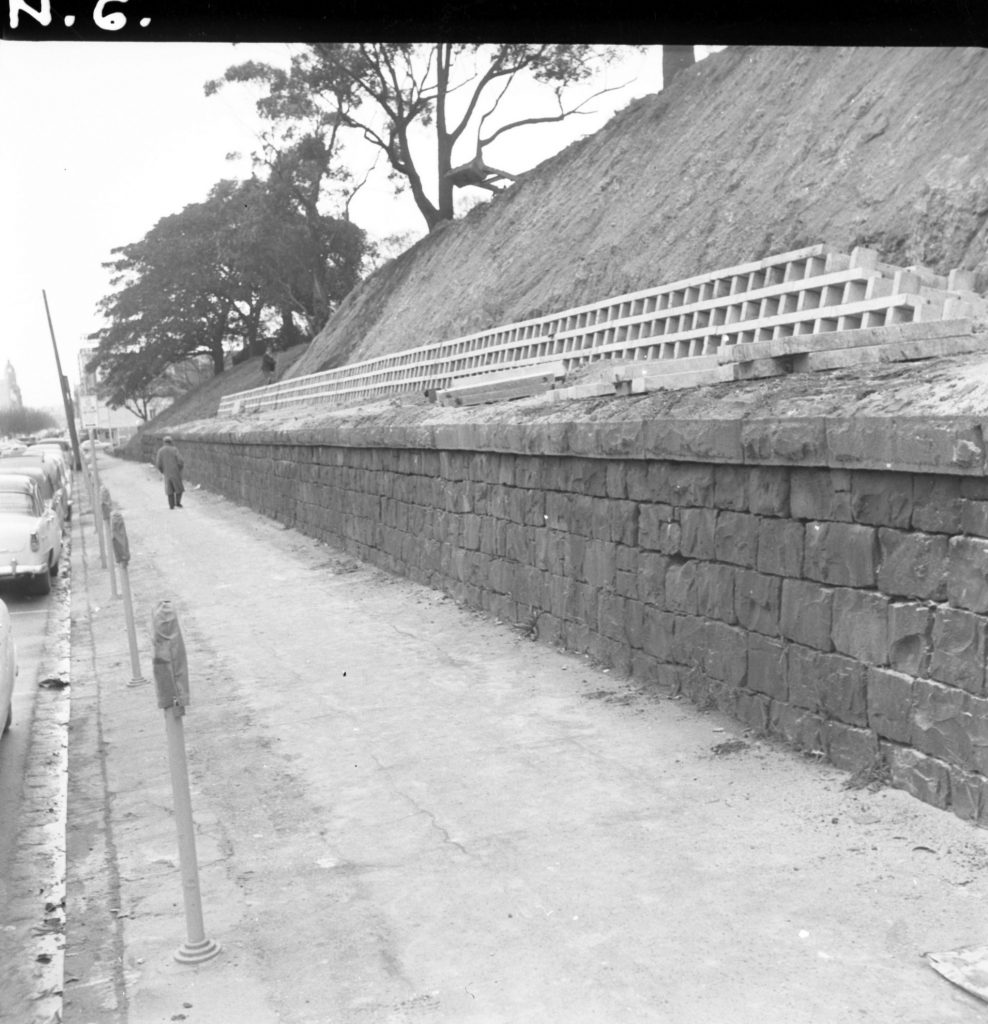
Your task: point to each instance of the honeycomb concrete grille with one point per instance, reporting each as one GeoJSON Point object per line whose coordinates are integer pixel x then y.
{"type": "Point", "coordinates": [806, 292]}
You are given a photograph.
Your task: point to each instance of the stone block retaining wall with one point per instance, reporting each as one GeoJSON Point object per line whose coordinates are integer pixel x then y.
{"type": "Point", "coordinates": [843, 609]}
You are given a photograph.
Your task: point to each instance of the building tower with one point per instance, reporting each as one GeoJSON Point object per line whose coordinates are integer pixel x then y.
{"type": "Point", "coordinates": [10, 392]}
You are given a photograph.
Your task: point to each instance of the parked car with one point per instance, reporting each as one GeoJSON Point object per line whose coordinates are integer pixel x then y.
{"type": "Point", "coordinates": [8, 667]}
{"type": "Point", "coordinates": [30, 534]}
{"type": "Point", "coordinates": [58, 470]}
{"type": "Point", "coordinates": [50, 476]}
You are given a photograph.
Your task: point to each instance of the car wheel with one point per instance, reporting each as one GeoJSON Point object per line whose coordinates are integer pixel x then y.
{"type": "Point", "coordinates": [53, 568]}
{"type": "Point", "coordinates": [40, 584]}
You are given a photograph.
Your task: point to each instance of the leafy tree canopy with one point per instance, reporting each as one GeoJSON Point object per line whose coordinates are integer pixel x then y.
{"type": "Point", "coordinates": [388, 92]}
{"type": "Point", "coordinates": [234, 271]}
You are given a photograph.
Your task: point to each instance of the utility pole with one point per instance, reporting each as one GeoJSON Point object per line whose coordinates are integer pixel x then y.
{"type": "Point", "coordinates": [63, 383]}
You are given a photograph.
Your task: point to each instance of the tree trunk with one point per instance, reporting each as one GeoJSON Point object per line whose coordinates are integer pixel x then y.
{"type": "Point", "coordinates": [216, 340]}
{"type": "Point", "coordinates": [675, 59]}
{"type": "Point", "coordinates": [444, 144]}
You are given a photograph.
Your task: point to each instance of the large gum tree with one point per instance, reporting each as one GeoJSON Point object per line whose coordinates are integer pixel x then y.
{"type": "Point", "coordinates": [418, 103]}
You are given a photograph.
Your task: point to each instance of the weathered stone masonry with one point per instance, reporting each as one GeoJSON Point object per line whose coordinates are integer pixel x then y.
{"type": "Point", "coordinates": [843, 609]}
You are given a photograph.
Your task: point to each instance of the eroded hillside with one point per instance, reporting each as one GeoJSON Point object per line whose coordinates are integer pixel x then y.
{"type": "Point", "coordinates": [752, 151]}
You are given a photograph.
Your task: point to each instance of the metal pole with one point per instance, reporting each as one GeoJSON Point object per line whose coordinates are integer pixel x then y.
{"type": "Point", "coordinates": [171, 678]}
{"type": "Point", "coordinates": [197, 947]}
{"type": "Point", "coordinates": [96, 515]}
{"type": "Point", "coordinates": [105, 505]}
{"type": "Point", "coordinates": [121, 552]}
{"type": "Point", "coordinates": [63, 383]}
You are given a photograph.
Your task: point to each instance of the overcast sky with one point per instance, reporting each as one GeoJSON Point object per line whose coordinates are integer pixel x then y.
{"type": "Point", "coordinates": [101, 140]}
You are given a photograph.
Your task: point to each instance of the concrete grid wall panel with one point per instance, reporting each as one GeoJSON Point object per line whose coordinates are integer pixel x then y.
{"type": "Point", "coordinates": [844, 611]}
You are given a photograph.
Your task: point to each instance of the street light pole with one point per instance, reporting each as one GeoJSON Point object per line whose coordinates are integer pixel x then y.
{"type": "Point", "coordinates": [63, 383]}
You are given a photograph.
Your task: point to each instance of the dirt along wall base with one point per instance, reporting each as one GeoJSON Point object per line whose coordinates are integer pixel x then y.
{"type": "Point", "coordinates": [809, 555]}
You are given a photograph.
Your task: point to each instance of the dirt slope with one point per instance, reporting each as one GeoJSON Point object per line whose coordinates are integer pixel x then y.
{"type": "Point", "coordinates": [752, 151]}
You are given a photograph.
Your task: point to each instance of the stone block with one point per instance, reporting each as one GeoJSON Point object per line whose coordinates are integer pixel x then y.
{"type": "Point", "coordinates": [718, 440]}
{"type": "Point", "coordinates": [575, 553]}
{"type": "Point", "coordinates": [757, 601]}
{"type": "Point", "coordinates": [780, 547]}
{"type": "Point", "coordinates": [754, 709]}
{"type": "Point", "coordinates": [688, 640]}
{"type": "Point", "coordinates": [696, 537]}
{"type": "Point", "coordinates": [823, 494]}
{"type": "Point", "coordinates": [922, 776]}
{"type": "Point", "coordinates": [652, 569]}
{"type": "Point", "coordinates": [768, 490]}
{"type": "Point", "coordinates": [910, 626]}
{"type": "Point", "coordinates": [860, 625]}
{"type": "Point", "coordinates": [615, 481]}
{"type": "Point", "coordinates": [967, 575]}
{"type": "Point", "coordinates": [634, 623]}
{"type": "Point", "coordinates": [976, 726]}
{"type": "Point", "coordinates": [723, 653]}
{"type": "Point", "coordinates": [967, 794]}
{"type": "Point", "coordinates": [623, 518]}
{"type": "Point", "coordinates": [882, 499]}
{"type": "Point", "coordinates": [636, 481]}
{"type": "Point", "coordinates": [658, 634]}
{"type": "Point", "coordinates": [912, 564]}
{"type": "Point", "coordinates": [803, 729]}
{"type": "Point", "coordinates": [731, 488]}
{"type": "Point", "coordinates": [890, 704]}
{"type": "Point", "coordinates": [840, 553]}
{"type": "Point", "coordinates": [806, 613]}
{"type": "Point", "coordinates": [657, 530]}
{"type": "Point", "coordinates": [784, 441]}
{"type": "Point", "coordinates": [715, 591]}
{"type": "Point", "coordinates": [939, 722]}
{"type": "Point", "coordinates": [937, 504]}
{"type": "Point", "coordinates": [974, 516]}
{"type": "Point", "coordinates": [683, 484]}
{"type": "Point", "coordinates": [850, 747]}
{"type": "Point", "coordinates": [958, 657]}
{"type": "Point", "coordinates": [680, 587]}
{"type": "Point", "coordinates": [974, 488]}
{"type": "Point", "coordinates": [736, 538]}
{"type": "Point", "coordinates": [598, 563]}
{"type": "Point", "coordinates": [610, 616]}
{"type": "Point", "coordinates": [519, 545]}
{"type": "Point", "coordinates": [767, 667]}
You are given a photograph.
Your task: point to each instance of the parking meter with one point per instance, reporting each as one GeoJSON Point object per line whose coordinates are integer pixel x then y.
{"type": "Point", "coordinates": [104, 501]}
{"type": "Point", "coordinates": [171, 669]}
{"type": "Point", "coordinates": [118, 537]}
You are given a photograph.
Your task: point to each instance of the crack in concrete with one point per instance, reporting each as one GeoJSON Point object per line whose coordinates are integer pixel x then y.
{"type": "Point", "coordinates": [419, 809]}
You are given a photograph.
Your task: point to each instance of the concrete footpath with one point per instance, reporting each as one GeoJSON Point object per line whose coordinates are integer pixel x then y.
{"type": "Point", "coordinates": [406, 811]}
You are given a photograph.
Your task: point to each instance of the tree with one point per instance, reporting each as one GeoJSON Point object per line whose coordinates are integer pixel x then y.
{"type": "Point", "coordinates": [214, 277]}
{"type": "Point", "coordinates": [24, 420]}
{"type": "Point", "coordinates": [387, 91]}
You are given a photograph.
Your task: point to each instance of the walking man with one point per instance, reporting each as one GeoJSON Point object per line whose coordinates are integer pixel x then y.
{"type": "Point", "coordinates": [169, 463]}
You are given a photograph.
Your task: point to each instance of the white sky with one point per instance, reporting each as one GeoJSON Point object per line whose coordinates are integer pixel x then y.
{"type": "Point", "coordinates": [101, 140]}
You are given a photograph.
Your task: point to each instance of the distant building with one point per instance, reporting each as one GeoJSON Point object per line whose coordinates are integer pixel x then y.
{"type": "Point", "coordinates": [10, 392]}
{"type": "Point", "coordinates": [108, 423]}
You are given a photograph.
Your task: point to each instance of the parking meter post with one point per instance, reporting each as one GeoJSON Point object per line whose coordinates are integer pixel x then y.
{"type": "Point", "coordinates": [106, 506]}
{"type": "Point", "coordinates": [121, 553]}
{"type": "Point", "coordinates": [95, 495]}
{"type": "Point", "coordinates": [172, 684]}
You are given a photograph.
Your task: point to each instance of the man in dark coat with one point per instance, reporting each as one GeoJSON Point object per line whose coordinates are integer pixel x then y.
{"type": "Point", "coordinates": [169, 463]}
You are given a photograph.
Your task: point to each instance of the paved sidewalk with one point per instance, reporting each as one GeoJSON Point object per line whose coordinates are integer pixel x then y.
{"type": "Point", "coordinates": [408, 812]}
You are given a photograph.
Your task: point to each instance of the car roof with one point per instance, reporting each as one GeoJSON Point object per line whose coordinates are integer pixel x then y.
{"type": "Point", "coordinates": [17, 482]}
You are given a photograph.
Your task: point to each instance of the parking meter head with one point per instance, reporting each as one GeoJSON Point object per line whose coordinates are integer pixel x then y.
{"type": "Point", "coordinates": [104, 501]}
{"type": "Point", "coordinates": [171, 668]}
{"type": "Point", "coordinates": [118, 537]}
